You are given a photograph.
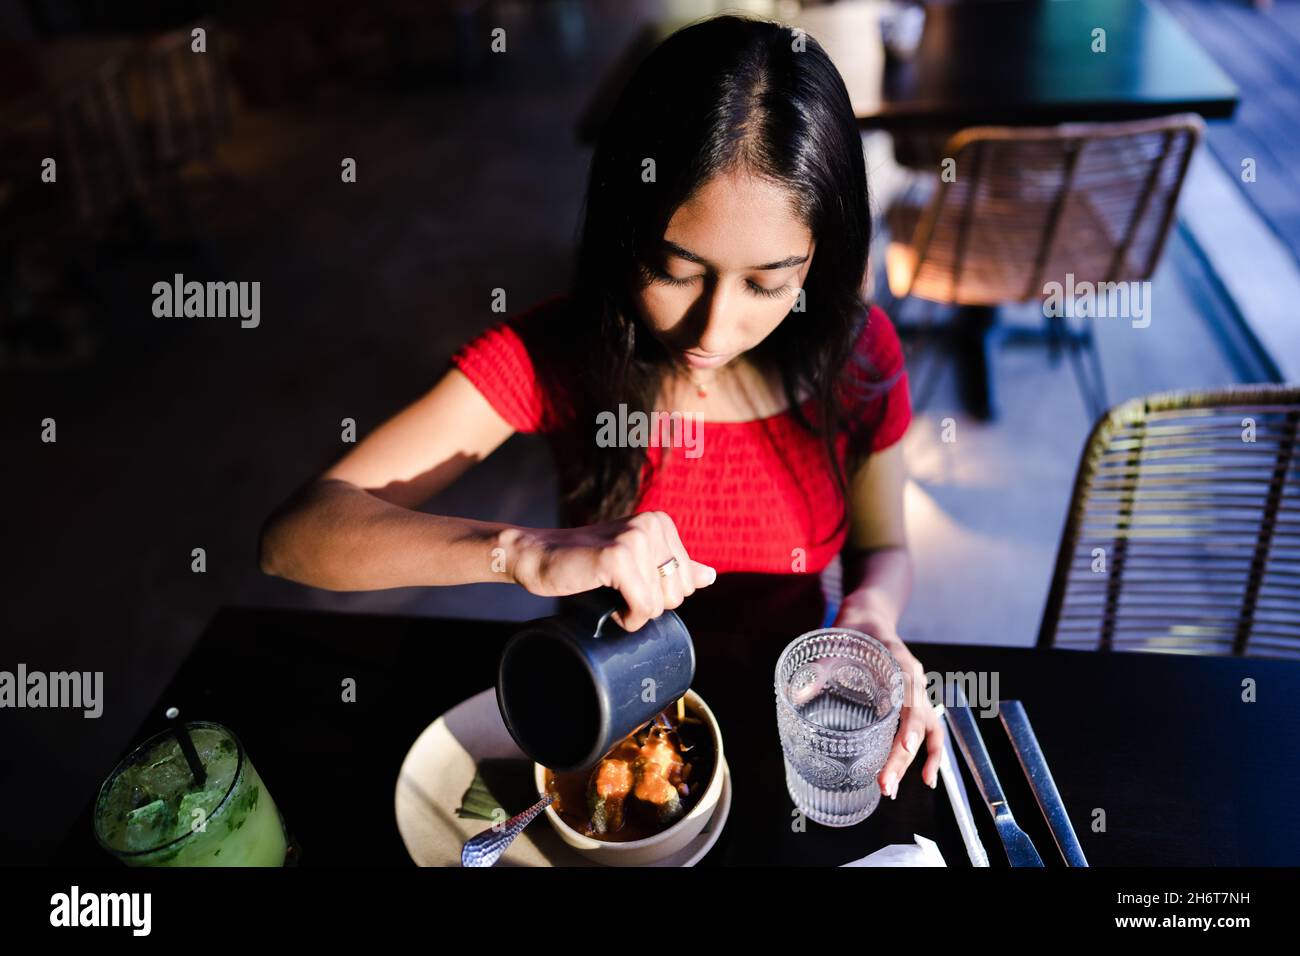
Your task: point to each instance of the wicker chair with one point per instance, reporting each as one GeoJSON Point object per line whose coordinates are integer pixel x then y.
{"type": "Point", "coordinates": [1028, 206]}
{"type": "Point", "coordinates": [1183, 535]}
{"type": "Point", "coordinates": [97, 135]}
{"type": "Point", "coordinates": [189, 96]}
{"type": "Point", "coordinates": [191, 113]}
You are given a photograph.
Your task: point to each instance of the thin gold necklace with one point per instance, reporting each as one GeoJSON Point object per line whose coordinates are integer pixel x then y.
{"type": "Point", "coordinates": [701, 388]}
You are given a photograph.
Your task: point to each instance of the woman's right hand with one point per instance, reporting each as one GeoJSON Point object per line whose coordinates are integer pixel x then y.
{"type": "Point", "coordinates": [624, 554]}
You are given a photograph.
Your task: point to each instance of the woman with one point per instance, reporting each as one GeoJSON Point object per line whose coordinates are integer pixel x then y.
{"type": "Point", "coordinates": [724, 245]}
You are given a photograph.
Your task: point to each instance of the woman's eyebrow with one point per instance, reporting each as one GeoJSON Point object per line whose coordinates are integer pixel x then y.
{"type": "Point", "coordinates": [676, 250]}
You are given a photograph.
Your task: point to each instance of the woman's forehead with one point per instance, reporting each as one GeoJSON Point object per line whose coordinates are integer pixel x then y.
{"type": "Point", "coordinates": [738, 222]}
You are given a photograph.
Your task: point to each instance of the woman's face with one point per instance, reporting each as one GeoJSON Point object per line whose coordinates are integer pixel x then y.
{"type": "Point", "coordinates": [731, 264]}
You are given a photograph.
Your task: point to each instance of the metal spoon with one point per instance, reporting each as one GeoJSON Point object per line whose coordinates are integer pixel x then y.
{"type": "Point", "coordinates": [486, 848]}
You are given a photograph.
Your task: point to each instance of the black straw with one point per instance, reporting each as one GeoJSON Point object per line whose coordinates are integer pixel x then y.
{"type": "Point", "coordinates": [187, 747]}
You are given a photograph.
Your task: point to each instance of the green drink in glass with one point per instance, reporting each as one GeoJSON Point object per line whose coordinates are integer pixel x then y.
{"type": "Point", "coordinates": [151, 812]}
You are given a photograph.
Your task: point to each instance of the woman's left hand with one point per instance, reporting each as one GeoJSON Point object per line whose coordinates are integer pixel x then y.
{"type": "Point", "coordinates": [919, 720]}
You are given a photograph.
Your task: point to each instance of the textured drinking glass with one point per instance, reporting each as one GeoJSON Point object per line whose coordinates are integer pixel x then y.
{"type": "Point", "coordinates": [839, 694]}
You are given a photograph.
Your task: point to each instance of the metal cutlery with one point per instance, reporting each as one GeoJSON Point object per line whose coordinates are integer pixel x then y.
{"type": "Point", "coordinates": [1020, 849]}
{"type": "Point", "coordinates": [956, 790]}
{"type": "Point", "coordinates": [486, 848]}
{"type": "Point", "coordinates": [1030, 755]}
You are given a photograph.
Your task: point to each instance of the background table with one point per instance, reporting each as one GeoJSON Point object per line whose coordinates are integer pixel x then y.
{"type": "Point", "coordinates": [1014, 62]}
{"type": "Point", "coordinates": [1186, 773]}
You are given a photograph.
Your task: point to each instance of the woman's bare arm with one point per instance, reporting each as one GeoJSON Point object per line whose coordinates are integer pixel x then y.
{"type": "Point", "coordinates": [352, 528]}
{"type": "Point", "coordinates": [877, 564]}
{"type": "Point", "coordinates": [877, 585]}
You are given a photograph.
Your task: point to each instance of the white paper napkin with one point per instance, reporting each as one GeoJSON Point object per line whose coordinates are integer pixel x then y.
{"type": "Point", "coordinates": [921, 853]}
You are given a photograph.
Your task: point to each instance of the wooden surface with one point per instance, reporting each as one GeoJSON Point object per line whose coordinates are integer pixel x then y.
{"type": "Point", "coordinates": [1260, 50]}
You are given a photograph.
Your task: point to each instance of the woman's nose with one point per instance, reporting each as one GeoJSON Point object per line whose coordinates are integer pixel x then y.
{"type": "Point", "coordinates": [719, 321]}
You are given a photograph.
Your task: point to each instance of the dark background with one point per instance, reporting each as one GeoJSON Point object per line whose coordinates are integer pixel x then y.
{"type": "Point", "coordinates": [176, 434]}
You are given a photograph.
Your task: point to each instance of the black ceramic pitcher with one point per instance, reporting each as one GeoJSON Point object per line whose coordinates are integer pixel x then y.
{"type": "Point", "coordinates": [573, 685]}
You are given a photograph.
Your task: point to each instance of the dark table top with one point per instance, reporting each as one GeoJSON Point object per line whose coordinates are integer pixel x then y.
{"type": "Point", "coordinates": [1003, 62]}
{"type": "Point", "coordinates": [1161, 748]}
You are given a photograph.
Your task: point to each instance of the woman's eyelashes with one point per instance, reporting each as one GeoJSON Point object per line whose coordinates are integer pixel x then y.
{"type": "Point", "coordinates": [777, 293]}
{"type": "Point", "coordinates": [659, 275]}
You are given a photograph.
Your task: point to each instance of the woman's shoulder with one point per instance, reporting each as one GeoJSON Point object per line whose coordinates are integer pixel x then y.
{"type": "Point", "coordinates": [525, 330]}
{"type": "Point", "coordinates": [509, 363]}
{"type": "Point", "coordinates": [877, 348]}
{"type": "Point", "coordinates": [875, 382]}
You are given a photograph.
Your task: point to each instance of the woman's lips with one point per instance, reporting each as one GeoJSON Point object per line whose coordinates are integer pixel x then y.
{"type": "Point", "coordinates": [703, 360]}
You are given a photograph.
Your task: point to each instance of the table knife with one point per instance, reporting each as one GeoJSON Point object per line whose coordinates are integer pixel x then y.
{"type": "Point", "coordinates": [956, 790]}
{"type": "Point", "coordinates": [1030, 755]}
{"type": "Point", "coordinates": [1020, 849]}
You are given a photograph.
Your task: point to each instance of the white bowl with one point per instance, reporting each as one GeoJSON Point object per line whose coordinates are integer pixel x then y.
{"type": "Point", "coordinates": [667, 841]}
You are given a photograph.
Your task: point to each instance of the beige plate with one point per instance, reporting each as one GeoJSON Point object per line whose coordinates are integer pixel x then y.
{"type": "Point", "coordinates": [438, 769]}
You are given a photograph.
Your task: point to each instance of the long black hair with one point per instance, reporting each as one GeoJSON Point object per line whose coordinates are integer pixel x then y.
{"type": "Point", "coordinates": [725, 94]}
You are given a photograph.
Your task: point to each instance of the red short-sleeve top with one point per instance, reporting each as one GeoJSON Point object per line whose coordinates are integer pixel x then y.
{"type": "Point", "coordinates": [752, 496]}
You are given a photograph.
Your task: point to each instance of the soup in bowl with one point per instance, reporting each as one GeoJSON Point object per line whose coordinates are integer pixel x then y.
{"type": "Point", "coordinates": [649, 797]}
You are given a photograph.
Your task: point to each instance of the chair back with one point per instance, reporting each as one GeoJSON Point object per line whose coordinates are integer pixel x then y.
{"type": "Point", "coordinates": [1183, 532]}
{"type": "Point", "coordinates": [1027, 206]}
{"type": "Point", "coordinates": [97, 135]}
{"type": "Point", "coordinates": [189, 97]}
